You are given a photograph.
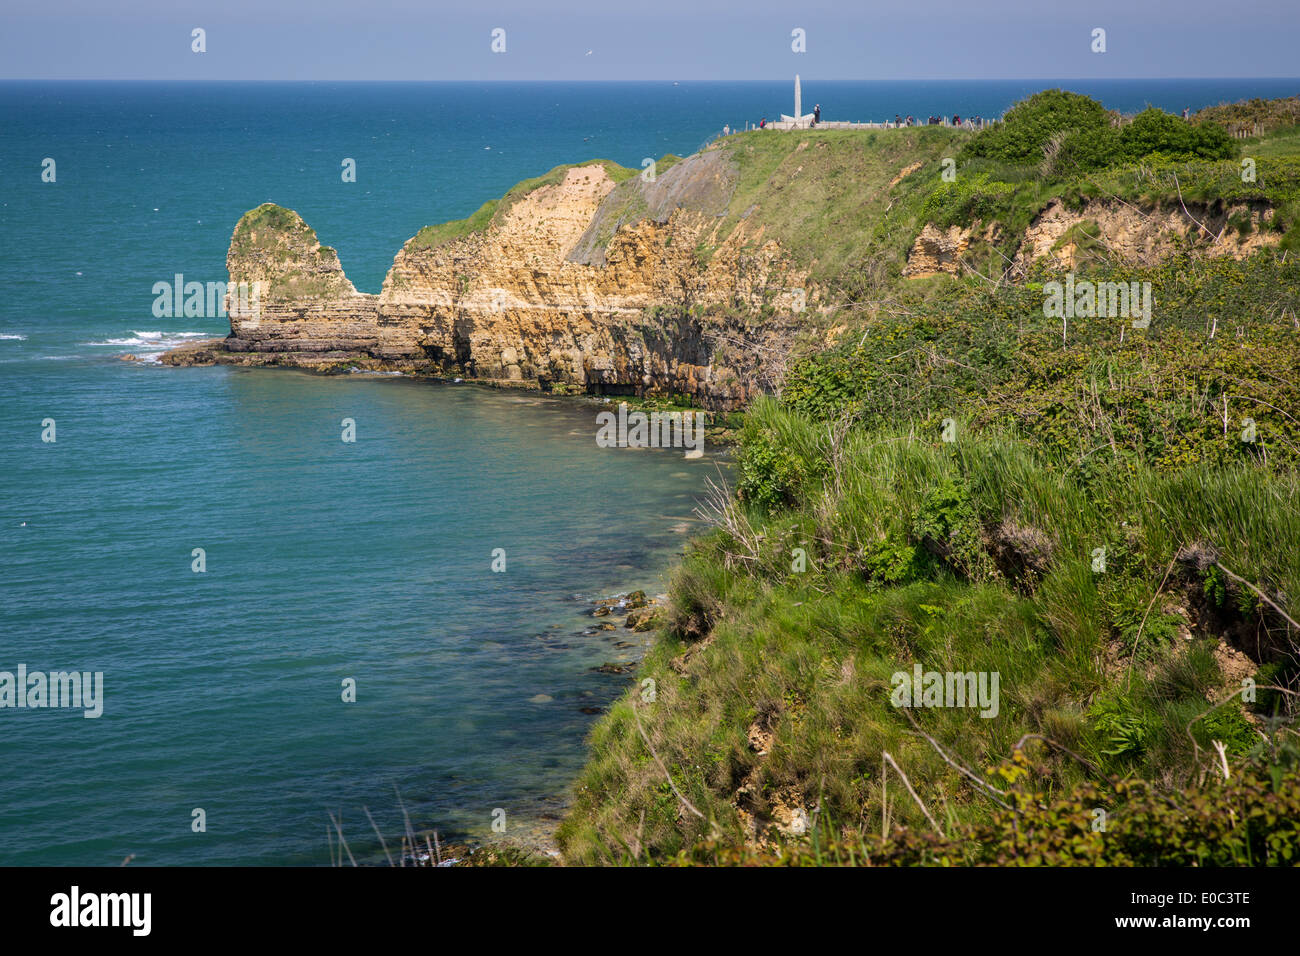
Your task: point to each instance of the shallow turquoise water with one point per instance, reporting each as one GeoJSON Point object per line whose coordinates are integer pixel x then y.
{"type": "Point", "coordinates": [324, 561]}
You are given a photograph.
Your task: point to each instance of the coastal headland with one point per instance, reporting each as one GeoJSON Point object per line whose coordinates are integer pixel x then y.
{"type": "Point", "coordinates": [1021, 429]}
{"type": "Point", "coordinates": [697, 277]}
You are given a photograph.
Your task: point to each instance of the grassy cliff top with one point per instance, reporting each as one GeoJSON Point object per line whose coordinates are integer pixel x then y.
{"type": "Point", "coordinates": [431, 237]}
{"type": "Point", "coordinates": [830, 196]}
{"type": "Point", "coordinates": [272, 243]}
{"type": "Point", "coordinates": [271, 229]}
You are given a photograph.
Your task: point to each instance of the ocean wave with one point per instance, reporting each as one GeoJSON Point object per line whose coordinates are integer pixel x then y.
{"type": "Point", "coordinates": [152, 341]}
{"type": "Point", "coordinates": [14, 337]}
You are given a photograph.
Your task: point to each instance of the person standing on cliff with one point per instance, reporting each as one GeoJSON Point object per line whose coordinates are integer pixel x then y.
{"type": "Point", "coordinates": [817, 114]}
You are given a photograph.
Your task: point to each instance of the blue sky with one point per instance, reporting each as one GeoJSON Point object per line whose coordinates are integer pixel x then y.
{"type": "Point", "coordinates": [653, 40]}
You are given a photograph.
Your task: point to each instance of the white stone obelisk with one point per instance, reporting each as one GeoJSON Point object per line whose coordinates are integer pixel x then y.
{"type": "Point", "coordinates": [798, 120]}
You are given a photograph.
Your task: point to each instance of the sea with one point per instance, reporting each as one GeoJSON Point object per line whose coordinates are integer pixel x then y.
{"type": "Point", "coordinates": [300, 636]}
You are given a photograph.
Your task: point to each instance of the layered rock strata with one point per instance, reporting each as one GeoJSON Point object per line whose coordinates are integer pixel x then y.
{"type": "Point", "coordinates": [1105, 230]}
{"type": "Point", "coordinates": [580, 284]}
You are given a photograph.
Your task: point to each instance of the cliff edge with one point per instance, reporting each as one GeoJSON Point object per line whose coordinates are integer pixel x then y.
{"type": "Point", "coordinates": [589, 278]}
{"type": "Point", "coordinates": [704, 276]}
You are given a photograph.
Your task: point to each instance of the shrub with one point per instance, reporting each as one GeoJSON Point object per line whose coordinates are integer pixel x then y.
{"type": "Point", "coordinates": [1155, 131]}
{"type": "Point", "coordinates": [1251, 820]}
{"type": "Point", "coordinates": [1086, 150]}
{"type": "Point", "coordinates": [1032, 123]}
{"type": "Point", "coordinates": [1071, 134]}
{"type": "Point", "coordinates": [967, 200]}
{"type": "Point", "coordinates": [778, 455]}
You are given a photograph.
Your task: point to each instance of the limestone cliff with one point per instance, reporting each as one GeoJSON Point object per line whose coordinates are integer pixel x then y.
{"type": "Point", "coordinates": [302, 303]}
{"type": "Point", "coordinates": [702, 280]}
{"type": "Point", "coordinates": [1126, 233]}
{"type": "Point", "coordinates": [581, 282]}
{"type": "Point", "coordinates": [1117, 232]}
{"type": "Point", "coordinates": [937, 251]}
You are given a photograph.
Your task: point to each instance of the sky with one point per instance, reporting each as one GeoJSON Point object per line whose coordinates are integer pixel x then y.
{"type": "Point", "coordinates": [645, 39]}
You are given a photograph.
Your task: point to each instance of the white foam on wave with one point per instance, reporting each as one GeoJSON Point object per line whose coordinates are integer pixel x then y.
{"type": "Point", "coordinates": [145, 341]}
{"type": "Point", "coordinates": [13, 338]}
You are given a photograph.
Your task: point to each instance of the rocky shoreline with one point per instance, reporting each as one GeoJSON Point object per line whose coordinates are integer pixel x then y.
{"type": "Point", "coordinates": [719, 432]}
{"type": "Point", "coordinates": [618, 617]}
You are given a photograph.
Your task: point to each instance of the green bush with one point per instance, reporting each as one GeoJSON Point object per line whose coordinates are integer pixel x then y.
{"type": "Point", "coordinates": [969, 199]}
{"type": "Point", "coordinates": [1155, 131]}
{"type": "Point", "coordinates": [1032, 123]}
{"type": "Point", "coordinates": [778, 456]}
{"type": "Point", "coordinates": [1075, 135]}
{"type": "Point", "coordinates": [1087, 150]}
{"type": "Point", "coordinates": [1158, 395]}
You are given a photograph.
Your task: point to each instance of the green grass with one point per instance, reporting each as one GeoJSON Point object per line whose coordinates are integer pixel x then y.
{"type": "Point", "coordinates": [272, 242]}
{"type": "Point", "coordinates": [1222, 342]}
{"type": "Point", "coordinates": [829, 202]}
{"type": "Point", "coordinates": [971, 556]}
{"type": "Point", "coordinates": [666, 162]}
{"type": "Point", "coordinates": [1276, 145]}
{"type": "Point", "coordinates": [270, 232]}
{"type": "Point", "coordinates": [431, 237]}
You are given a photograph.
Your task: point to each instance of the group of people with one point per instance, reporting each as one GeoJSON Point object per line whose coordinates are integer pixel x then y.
{"type": "Point", "coordinates": [968, 123]}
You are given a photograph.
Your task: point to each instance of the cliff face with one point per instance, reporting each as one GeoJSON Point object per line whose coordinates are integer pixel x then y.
{"type": "Point", "coordinates": [936, 251]}
{"type": "Point", "coordinates": [300, 302]}
{"type": "Point", "coordinates": [1146, 236]}
{"type": "Point", "coordinates": [591, 279]}
{"type": "Point", "coordinates": [582, 282]}
{"type": "Point", "coordinates": [1118, 232]}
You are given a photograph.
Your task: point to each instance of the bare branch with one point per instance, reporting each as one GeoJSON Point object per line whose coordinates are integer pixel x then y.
{"type": "Point", "coordinates": [886, 758]}
{"type": "Point", "coordinates": [649, 746]}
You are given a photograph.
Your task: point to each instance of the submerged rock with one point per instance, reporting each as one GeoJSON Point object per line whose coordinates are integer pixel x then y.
{"type": "Point", "coordinates": [615, 668]}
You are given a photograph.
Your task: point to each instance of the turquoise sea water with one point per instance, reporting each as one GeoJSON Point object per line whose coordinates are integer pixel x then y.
{"type": "Point", "coordinates": [325, 560]}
